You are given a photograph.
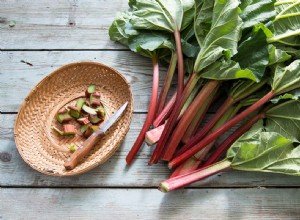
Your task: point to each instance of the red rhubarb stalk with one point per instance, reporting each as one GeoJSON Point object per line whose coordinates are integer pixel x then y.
{"type": "Point", "coordinates": [225, 106]}
{"type": "Point", "coordinates": [198, 118]}
{"type": "Point", "coordinates": [153, 135]}
{"type": "Point", "coordinates": [209, 88]}
{"type": "Point", "coordinates": [151, 113]}
{"type": "Point", "coordinates": [199, 174]}
{"type": "Point", "coordinates": [164, 114]}
{"type": "Point", "coordinates": [192, 163]}
{"type": "Point", "coordinates": [216, 155]}
{"type": "Point", "coordinates": [180, 101]}
{"type": "Point", "coordinates": [214, 135]}
{"type": "Point", "coordinates": [180, 62]}
{"type": "Point", "coordinates": [167, 84]}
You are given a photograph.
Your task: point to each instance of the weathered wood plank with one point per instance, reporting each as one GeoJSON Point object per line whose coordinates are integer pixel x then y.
{"type": "Point", "coordinates": [19, 77]}
{"type": "Point", "coordinates": [58, 25]}
{"type": "Point", "coordinates": [114, 173]}
{"type": "Point", "coordinates": [149, 204]}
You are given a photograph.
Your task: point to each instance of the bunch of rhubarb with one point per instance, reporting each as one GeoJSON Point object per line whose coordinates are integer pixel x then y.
{"type": "Point", "coordinates": [243, 54]}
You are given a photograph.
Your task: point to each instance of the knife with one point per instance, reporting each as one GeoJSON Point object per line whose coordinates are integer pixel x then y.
{"type": "Point", "coordinates": [88, 144]}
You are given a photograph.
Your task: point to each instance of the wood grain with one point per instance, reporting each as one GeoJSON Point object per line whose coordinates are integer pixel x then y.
{"type": "Point", "coordinates": [59, 24]}
{"type": "Point", "coordinates": [21, 70]}
{"type": "Point", "coordinates": [150, 204]}
{"type": "Point", "coordinates": [115, 173]}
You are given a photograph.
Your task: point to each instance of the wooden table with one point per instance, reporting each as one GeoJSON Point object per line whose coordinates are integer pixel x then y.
{"type": "Point", "coordinates": [37, 37]}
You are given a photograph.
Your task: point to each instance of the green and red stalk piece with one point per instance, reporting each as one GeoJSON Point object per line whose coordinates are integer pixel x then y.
{"type": "Point", "coordinates": [199, 174]}
{"type": "Point", "coordinates": [180, 101]}
{"type": "Point", "coordinates": [195, 161]}
{"type": "Point", "coordinates": [154, 135]}
{"type": "Point", "coordinates": [151, 113]}
{"type": "Point", "coordinates": [164, 114]}
{"type": "Point", "coordinates": [209, 88]}
{"type": "Point", "coordinates": [217, 154]}
{"type": "Point", "coordinates": [166, 86]}
{"type": "Point", "coordinates": [214, 135]}
{"type": "Point", "coordinates": [180, 65]}
{"type": "Point", "coordinates": [199, 118]}
{"type": "Point", "coordinates": [230, 101]}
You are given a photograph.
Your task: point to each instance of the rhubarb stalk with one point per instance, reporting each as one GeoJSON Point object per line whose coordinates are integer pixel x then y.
{"type": "Point", "coordinates": [151, 113]}
{"type": "Point", "coordinates": [199, 174]}
{"type": "Point", "coordinates": [180, 61]}
{"type": "Point", "coordinates": [210, 87]}
{"type": "Point", "coordinates": [216, 155]}
{"type": "Point", "coordinates": [214, 135]}
{"type": "Point", "coordinates": [167, 84]}
{"type": "Point", "coordinates": [180, 101]}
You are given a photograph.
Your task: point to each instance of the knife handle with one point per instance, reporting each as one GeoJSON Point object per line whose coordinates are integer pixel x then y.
{"type": "Point", "coordinates": [83, 150]}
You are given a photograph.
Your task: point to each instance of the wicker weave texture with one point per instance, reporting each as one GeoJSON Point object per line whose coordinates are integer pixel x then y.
{"type": "Point", "coordinates": [45, 150]}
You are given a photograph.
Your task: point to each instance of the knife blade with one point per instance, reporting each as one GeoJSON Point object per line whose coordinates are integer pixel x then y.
{"type": "Point", "coordinates": [89, 143]}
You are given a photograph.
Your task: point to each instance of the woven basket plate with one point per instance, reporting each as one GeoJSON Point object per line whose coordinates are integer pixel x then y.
{"type": "Point", "coordinates": [45, 150]}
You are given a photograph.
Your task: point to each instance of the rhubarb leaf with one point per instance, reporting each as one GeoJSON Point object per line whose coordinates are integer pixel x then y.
{"type": "Point", "coordinates": [221, 40]}
{"type": "Point", "coordinates": [163, 15]}
{"type": "Point", "coordinates": [253, 62]}
{"type": "Point", "coordinates": [121, 29]}
{"type": "Point", "coordinates": [287, 23]}
{"type": "Point", "coordinates": [286, 78]}
{"type": "Point", "coordinates": [284, 118]}
{"type": "Point", "coordinates": [294, 95]}
{"type": "Point", "coordinates": [152, 43]}
{"type": "Point", "coordinates": [203, 18]}
{"type": "Point", "coordinates": [267, 152]}
{"type": "Point", "coordinates": [277, 55]}
{"type": "Point", "coordinates": [257, 11]}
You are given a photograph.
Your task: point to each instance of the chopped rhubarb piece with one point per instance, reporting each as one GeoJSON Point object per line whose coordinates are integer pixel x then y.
{"type": "Point", "coordinates": [89, 110]}
{"type": "Point", "coordinates": [90, 90]}
{"type": "Point", "coordinates": [74, 112]}
{"type": "Point", "coordinates": [94, 119]}
{"type": "Point", "coordinates": [95, 99]}
{"type": "Point", "coordinates": [101, 112]}
{"type": "Point", "coordinates": [63, 118]}
{"type": "Point", "coordinates": [84, 127]}
{"type": "Point", "coordinates": [90, 130]}
{"type": "Point", "coordinates": [153, 135]}
{"type": "Point", "coordinates": [57, 130]}
{"type": "Point", "coordinates": [80, 103]}
{"type": "Point", "coordinates": [69, 129]}
{"type": "Point", "coordinates": [73, 147]}
{"type": "Point", "coordinates": [83, 121]}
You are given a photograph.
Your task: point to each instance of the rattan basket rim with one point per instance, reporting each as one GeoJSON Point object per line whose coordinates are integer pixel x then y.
{"type": "Point", "coordinates": [40, 83]}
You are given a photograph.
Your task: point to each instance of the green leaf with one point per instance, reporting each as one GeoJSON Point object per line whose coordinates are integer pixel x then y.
{"type": "Point", "coordinates": [203, 19]}
{"type": "Point", "coordinates": [188, 13]}
{"type": "Point", "coordinates": [294, 52]}
{"type": "Point", "coordinates": [221, 70]}
{"type": "Point", "coordinates": [223, 35]}
{"type": "Point", "coordinates": [284, 118]}
{"type": "Point", "coordinates": [242, 88]}
{"type": "Point", "coordinates": [295, 95]}
{"type": "Point", "coordinates": [189, 44]}
{"type": "Point", "coordinates": [164, 15]}
{"type": "Point", "coordinates": [277, 55]}
{"type": "Point", "coordinates": [286, 78]}
{"type": "Point", "coordinates": [121, 29]}
{"type": "Point", "coordinates": [152, 43]}
{"type": "Point", "coordinates": [257, 128]}
{"type": "Point", "coordinates": [254, 61]}
{"type": "Point", "coordinates": [287, 23]}
{"type": "Point", "coordinates": [256, 11]}
{"type": "Point", "coordinates": [267, 152]}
